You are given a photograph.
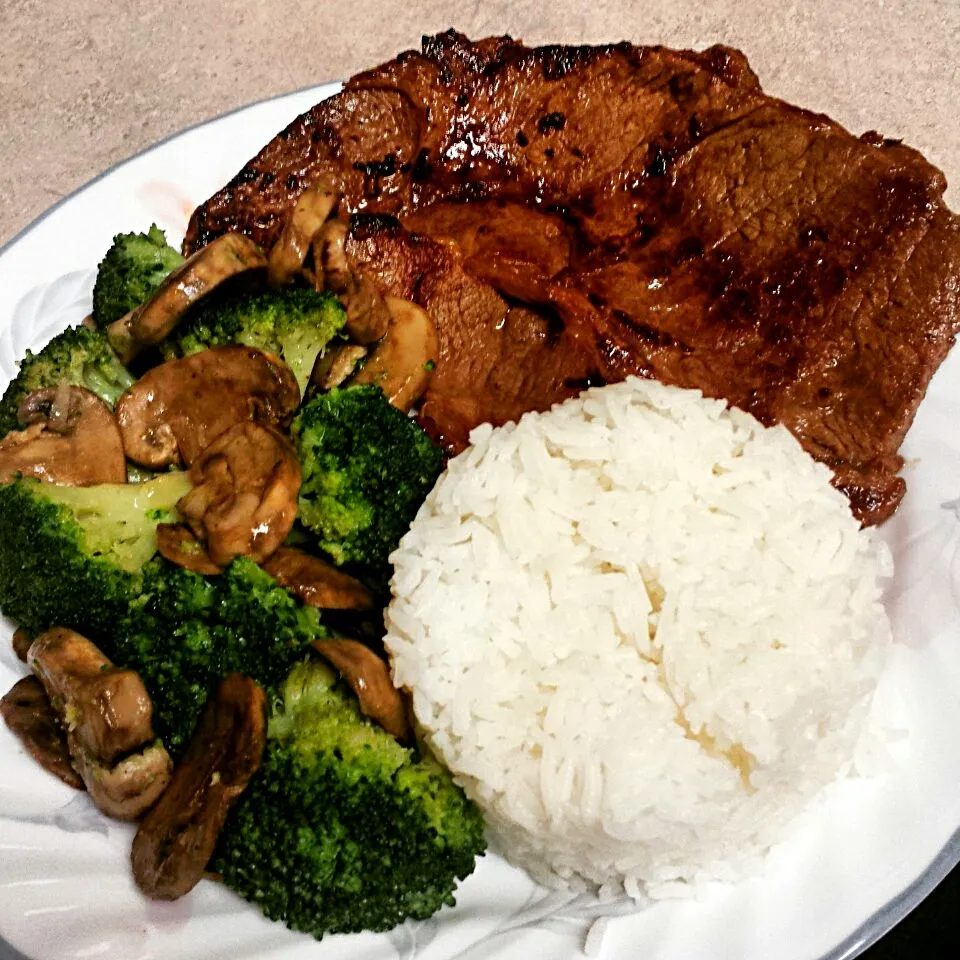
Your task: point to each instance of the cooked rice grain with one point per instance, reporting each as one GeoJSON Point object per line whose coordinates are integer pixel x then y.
{"type": "Point", "coordinates": [642, 630]}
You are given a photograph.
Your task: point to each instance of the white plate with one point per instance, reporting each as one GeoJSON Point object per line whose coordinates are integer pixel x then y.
{"type": "Point", "coordinates": [851, 868]}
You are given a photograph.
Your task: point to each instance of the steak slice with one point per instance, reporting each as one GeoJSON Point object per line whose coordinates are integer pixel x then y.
{"type": "Point", "coordinates": [469, 120]}
{"type": "Point", "coordinates": [573, 215]}
{"type": "Point", "coordinates": [497, 360]}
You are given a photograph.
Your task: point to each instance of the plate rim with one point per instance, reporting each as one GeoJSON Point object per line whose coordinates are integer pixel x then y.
{"type": "Point", "coordinates": [884, 919]}
{"type": "Point", "coordinates": [894, 911]}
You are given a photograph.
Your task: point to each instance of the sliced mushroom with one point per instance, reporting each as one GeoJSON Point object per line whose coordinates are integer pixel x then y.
{"type": "Point", "coordinates": [368, 317]}
{"type": "Point", "coordinates": [27, 711]}
{"type": "Point", "coordinates": [128, 789]}
{"type": "Point", "coordinates": [289, 253]}
{"type": "Point", "coordinates": [116, 714]}
{"type": "Point", "coordinates": [176, 839]}
{"type": "Point", "coordinates": [228, 256]}
{"type": "Point", "coordinates": [244, 496]}
{"type": "Point", "coordinates": [367, 314]}
{"type": "Point", "coordinates": [402, 363]}
{"type": "Point", "coordinates": [108, 720]}
{"type": "Point", "coordinates": [180, 546]}
{"type": "Point", "coordinates": [330, 257]}
{"type": "Point", "coordinates": [108, 709]}
{"type": "Point", "coordinates": [317, 583]}
{"type": "Point", "coordinates": [369, 679]}
{"type": "Point", "coordinates": [173, 412]}
{"type": "Point", "coordinates": [57, 408]}
{"type": "Point", "coordinates": [21, 643]}
{"type": "Point", "coordinates": [71, 438]}
{"type": "Point", "coordinates": [334, 365]}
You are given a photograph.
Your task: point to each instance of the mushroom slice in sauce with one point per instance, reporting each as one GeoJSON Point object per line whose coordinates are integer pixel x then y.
{"type": "Point", "coordinates": [21, 641]}
{"type": "Point", "coordinates": [126, 790]}
{"type": "Point", "coordinates": [179, 545]}
{"type": "Point", "coordinates": [367, 313]}
{"type": "Point", "coordinates": [177, 837]}
{"type": "Point", "coordinates": [369, 679]}
{"type": "Point", "coordinates": [226, 257]}
{"type": "Point", "coordinates": [108, 718]}
{"type": "Point", "coordinates": [312, 209]}
{"type": "Point", "coordinates": [71, 438]}
{"type": "Point", "coordinates": [368, 318]}
{"type": "Point", "coordinates": [244, 496]}
{"type": "Point", "coordinates": [27, 711]}
{"type": "Point", "coordinates": [317, 583]}
{"type": "Point", "coordinates": [330, 258]}
{"type": "Point", "coordinates": [173, 412]}
{"type": "Point", "coordinates": [402, 363]}
{"type": "Point", "coordinates": [109, 709]}
{"type": "Point", "coordinates": [334, 365]}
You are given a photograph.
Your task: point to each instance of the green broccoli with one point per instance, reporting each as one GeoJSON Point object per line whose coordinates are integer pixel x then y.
{"type": "Point", "coordinates": [184, 633]}
{"type": "Point", "coordinates": [367, 467]}
{"type": "Point", "coordinates": [70, 556]}
{"type": "Point", "coordinates": [342, 829]}
{"type": "Point", "coordinates": [81, 356]}
{"type": "Point", "coordinates": [130, 272]}
{"type": "Point", "coordinates": [295, 323]}
{"type": "Point", "coordinates": [84, 558]}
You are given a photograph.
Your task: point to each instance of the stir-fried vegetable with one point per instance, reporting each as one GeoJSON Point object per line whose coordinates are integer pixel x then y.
{"type": "Point", "coordinates": [132, 269]}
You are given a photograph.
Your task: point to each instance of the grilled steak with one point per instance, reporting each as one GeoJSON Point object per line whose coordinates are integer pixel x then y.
{"type": "Point", "coordinates": [577, 214]}
{"type": "Point", "coordinates": [497, 359]}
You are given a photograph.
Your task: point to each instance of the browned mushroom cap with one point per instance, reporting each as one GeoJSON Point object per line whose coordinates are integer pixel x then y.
{"type": "Point", "coordinates": [330, 258]}
{"type": "Point", "coordinates": [244, 496]}
{"type": "Point", "coordinates": [368, 317]}
{"type": "Point", "coordinates": [402, 363]}
{"type": "Point", "coordinates": [311, 211]}
{"type": "Point", "coordinates": [226, 257]}
{"type": "Point", "coordinates": [21, 643]}
{"type": "Point", "coordinates": [180, 546]}
{"type": "Point", "coordinates": [334, 365]}
{"type": "Point", "coordinates": [57, 408]}
{"type": "Point", "coordinates": [27, 711]}
{"type": "Point", "coordinates": [317, 583]}
{"type": "Point", "coordinates": [369, 679]}
{"type": "Point", "coordinates": [171, 413]}
{"type": "Point", "coordinates": [367, 314]}
{"type": "Point", "coordinates": [176, 839]}
{"type": "Point", "coordinates": [109, 708]}
{"type": "Point", "coordinates": [127, 790]}
{"type": "Point", "coordinates": [71, 438]}
{"type": "Point", "coordinates": [107, 714]}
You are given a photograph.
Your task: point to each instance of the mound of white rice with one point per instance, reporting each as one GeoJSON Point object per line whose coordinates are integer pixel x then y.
{"type": "Point", "coordinates": [642, 630]}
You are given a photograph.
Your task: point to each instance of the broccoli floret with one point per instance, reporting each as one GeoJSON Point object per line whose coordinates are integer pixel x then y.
{"type": "Point", "coordinates": [71, 556]}
{"type": "Point", "coordinates": [342, 829]}
{"type": "Point", "coordinates": [119, 520]}
{"type": "Point", "coordinates": [80, 356]}
{"type": "Point", "coordinates": [295, 323]}
{"type": "Point", "coordinates": [367, 467]}
{"type": "Point", "coordinates": [183, 633]}
{"type": "Point", "coordinates": [83, 557]}
{"type": "Point", "coordinates": [130, 272]}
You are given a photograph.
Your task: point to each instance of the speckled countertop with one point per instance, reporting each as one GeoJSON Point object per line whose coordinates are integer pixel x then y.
{"type": "Point", "coordinates": [85, 84]}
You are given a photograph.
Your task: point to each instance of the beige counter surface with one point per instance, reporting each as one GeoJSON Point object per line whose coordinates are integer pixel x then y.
{"type": "Point", "coordinates": [85, 84]}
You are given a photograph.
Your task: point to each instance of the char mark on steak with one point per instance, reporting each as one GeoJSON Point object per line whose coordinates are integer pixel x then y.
{"type": "Point", "coordinates": [575, 213]}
